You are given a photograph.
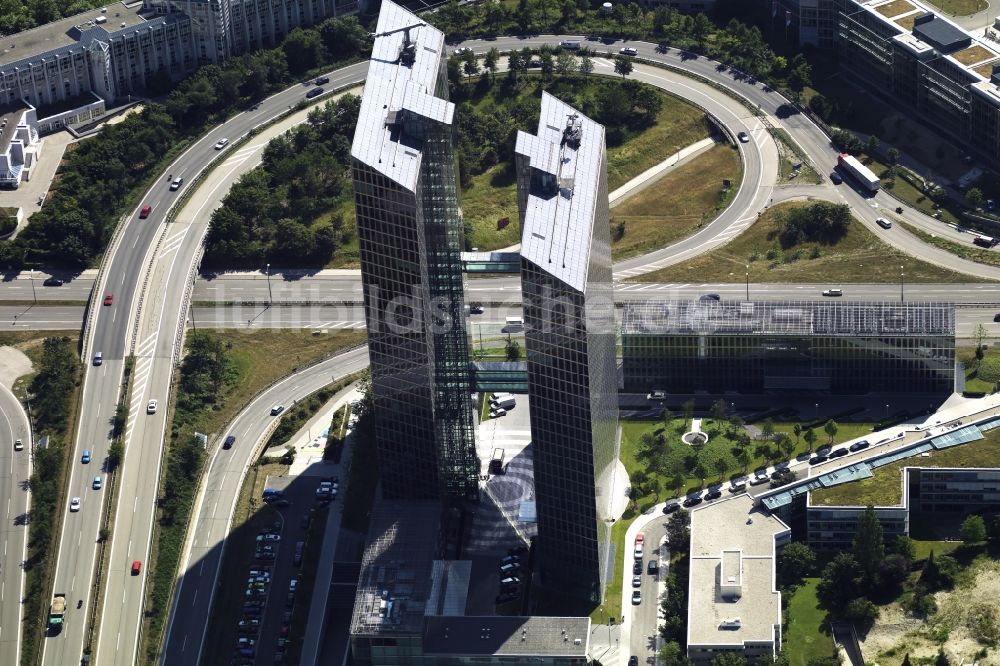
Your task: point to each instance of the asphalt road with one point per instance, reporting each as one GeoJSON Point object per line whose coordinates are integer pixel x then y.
{"type": "Point", "coordinates": [645, 616]}
{"type": "Point", "coordinates": [15, 469]}
{"type": "Point", "coordinates": [214, 509]}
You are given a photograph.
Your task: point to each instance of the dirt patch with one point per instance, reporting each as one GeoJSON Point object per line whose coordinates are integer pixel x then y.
{"type": "Point", "coordinates": [13, 364]}
{"type": "Point", "coordinates": [892, 629]}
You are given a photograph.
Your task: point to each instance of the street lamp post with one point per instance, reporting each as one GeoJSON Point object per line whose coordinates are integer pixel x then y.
{"type": "Point", "coordinates": [748, 282]}
{"type": "Point", "coordinates": [31, 276]}
{"type": "Point", "coordinates": [900, 284]}
{"type": "Point", "coordinates": [270, 298]}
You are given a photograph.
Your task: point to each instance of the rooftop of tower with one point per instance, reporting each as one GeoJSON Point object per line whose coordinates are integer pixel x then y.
{"type": "Point", "coordinates": [402, 77]}
{"type": "Point", "coordinates": [566, 158]}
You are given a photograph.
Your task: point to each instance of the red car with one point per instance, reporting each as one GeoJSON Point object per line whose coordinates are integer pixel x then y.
{"type": "Point", "coordinates": [144, 213]}
{"type": "Point", "coordinates": [136, 567]}
{"type": "Point", "coordinates": [108, 299]}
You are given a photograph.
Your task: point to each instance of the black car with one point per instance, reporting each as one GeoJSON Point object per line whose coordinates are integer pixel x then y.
{"type": "Point", "coordinates": [693, 500]}
{"type": "Point", "coordinates": [475, 308]}
{"type": "Point", "coordinates": [709, 297]}
{"type": "Point", "coordinates": [671, 507]}
{"type": "Point", "coordinates": [637, 568]}
{"type": "Point", "coordinates": [816, 460]}
{"type": "Point", "coordinates": [321, 80]}
{"type": "Point", "coordinates": [228, 443]}
{"type": "Point", "coordinates": [836, 453]}
{"type": "Point", "coordinates": [836, 178]}
{"type": "Point", "coordinates": [53, 282]}
{"type": "Point", "coordinates": [314, 92]}
{"type": "Point", "coordinates": [858, 446]}
{"type": "Point", "coordinates": [633, 661]}
{"type": "Point", "coordinates": [761, 472]}
{"type": "Point", "coordinates": [714, 493]}
{"type": "Point", "coordinates": [996, 317]}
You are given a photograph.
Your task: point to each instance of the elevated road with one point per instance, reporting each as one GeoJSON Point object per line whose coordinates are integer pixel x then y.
{"type": "Point", "coordinates": [15, 469]}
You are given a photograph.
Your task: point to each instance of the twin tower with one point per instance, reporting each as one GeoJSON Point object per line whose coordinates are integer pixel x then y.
{"type": "Point", "coordinates": [411, 238]}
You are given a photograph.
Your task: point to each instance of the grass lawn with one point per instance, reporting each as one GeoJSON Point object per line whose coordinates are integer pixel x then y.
{"type": "Point", "coordinates": [265, 355]}
{"type": "Point", "coordinates": [612, 606]}
{"type": "Point", "coordinates": [493, 194]}
{"type": "Point", "coordinates": [804, 640]}
{"type": "Point", "coordinates": [960, 7]}
{"type": "Point", "coordinates": [249, 518]}
{"type": "Point", "coordinates": [973, 383]}
{"type": "Point", "coordinates": [678, 204]}
{"type": "Point", "coordinates": [970, 251]}
{"type": "Point", "coordinates": [857, 257]}
{"type": "Point", "coordinates": [884, 488]}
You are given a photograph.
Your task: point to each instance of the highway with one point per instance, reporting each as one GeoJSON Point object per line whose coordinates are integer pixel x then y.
{"type": "Point", "coordinates": [15, 469]}
{"type": "Point", "coordinates": [144, 243]}
{"type": "Point", "coordinates": [226, 469]}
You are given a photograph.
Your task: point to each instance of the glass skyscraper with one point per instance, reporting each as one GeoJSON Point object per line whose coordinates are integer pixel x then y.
{"type": "Point", "coordinates": [570, 343]}
{"type": "Point", "coordinates": [410, 236]}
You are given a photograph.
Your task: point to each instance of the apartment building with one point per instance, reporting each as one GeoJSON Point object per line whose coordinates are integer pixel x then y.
{"type": "Point", "coordinates": [562, 189]}
{"type": "Point", "coordinates": [411, 238]}
{"type": "Point", "coordinates": [812, 22]}
{"type": "Point", "coordinates": [19, 145]}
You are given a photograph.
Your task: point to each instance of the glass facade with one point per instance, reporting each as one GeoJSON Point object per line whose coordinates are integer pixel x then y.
{"type": "Point", "coordinates": [736, 355]}
{"type": "Point", "coordinates": [411, 243]}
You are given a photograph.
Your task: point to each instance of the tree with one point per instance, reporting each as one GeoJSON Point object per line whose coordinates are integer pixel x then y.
{"type": "Point", "coordinates": [795, 561]}
{"type": "Point", "coordinates": [491, 60]}
{"type": "Point", "coordinates": [654, 486]}
{"type": "Point", "coordinates": [547, 64]}
{"type": "Point", "coordinates": [666, 417]}
{"type": "Point", "coordinates": [721, 465]}
{"type": "Point", "coordinates": [566, 64]}
{"type": "Point", "coordinates": [671, 655]}
{"type": "Point", "coordinates": [830, 428]}
{"type": "Point", "coordinates": [893, 570]}
{"type": "Point", "coordinates": [786, 444]}
{"type": "Point", "coordinates": [904, 547]}
{"type": "Point", "coordinates": [700, 471]}
{"type": "Point", "coordinates": [586, 65]}
{"type": "Point", "coordinates": [678, 534]}
{"type": "Point", "coordinates": [719, 411]}
{"type": "Point", "coordinates": [810, 438]}
{"type": "Point", "coordinates": [470, 65]}
{"type": "Point", "coordinates": [743, 458]}
{"type": "Point", "coordinates": [513, 350]}
{"type": "Point", "coordinates": [767, 428]}
{"type": "Point", "coordinates": [688, 409]}
{"type": "Point", "coordinates": [871, 145]}
{"type": "Point", "coordinates": [995, 529]}
{"type": "Point", "coordinates": [973, 529]}
{"type": "Point", "coordinates": [892, 155]}
{"type": "Point", "coordinates": [623, 65]}
{"type": "Point", "coordinates": [677, 482]}
{"type": "Point", "coordinates": [797, 431]}
{"type": "Point", "coordinates": [974, 196]}
{"type": "Point", "coordinates": [840, 579]}
{"type": "Point", "coordinates": [869, 545]}
{"type": "Point", "coordinates": [728, 658]}
{"type": "Point", "coordinates": [862, 612]}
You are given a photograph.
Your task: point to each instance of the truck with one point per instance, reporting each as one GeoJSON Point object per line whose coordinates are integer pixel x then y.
{"type": "Point", "coordinates": [984, 241]}
{"type": "Point", "coordinates": [57, 612]}
{"type": "Point", "coordinates": [506, 402]}
{"type": "Point", "coordinates": [858, 171]}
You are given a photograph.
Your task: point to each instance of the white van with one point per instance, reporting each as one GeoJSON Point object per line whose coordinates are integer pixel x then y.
{"type": "Point", "coordinates": [574, 44]}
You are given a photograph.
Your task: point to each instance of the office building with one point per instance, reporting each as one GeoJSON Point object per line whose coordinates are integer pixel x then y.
{"type": "Point", "coordinates": [410, 236]}
{"type": "Point", "coordinates": [912, 55]}
{"type": "Point", "coordinates": [733, 600]}
{"type": "Point", "coordinates": [414, 606]}
{"type": "Point", "coordinates": [73, 68]}
{"type": "Point", "coordinates": [19, 144]}
{"type": "Point", "coordinates": [562, 190]}
{"type": "Point", "coordinates": [812, 22]}
{"type": "Point", "coordinates": [793, 346]}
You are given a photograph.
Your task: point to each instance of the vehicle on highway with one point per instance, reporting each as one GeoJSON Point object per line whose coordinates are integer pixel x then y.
{"type": "Point", "coordinates": [851, 166]}
{"type": "Point", "coordinates": [322, 80]}
{"type": "Point", "coordinates": [836, 453]}
{"type": "Point", "coordinates": [709, 297]}
{"type": "Point", "coordinates": [636, 597]}
{"type": "Point", "coordinates": [277, 409]}
{"type": "Point", "coordinates": [74, 504]}
{"type": "Point", "coordinates": [670, 507]}
{"type": "Point", "coordinates": [18, 445]}
{"type": "Point", "coordinates": [996, 317]}
{"type": "Point", "coordinates": [109, 299]}
{"type": "Point", "coordinates": [98, 358]}
{"type": "Point", "coordinates": [628, 50]}
{"type": "Point", "coordinates": [636, 581]}
{"type": "Point", "coordinates": [475, 308]}
{"type": "Point", "coordinates": [221, 143]}
{"type": "Point", "coordinates": [836, 178]}
{"type": "Point", "coordinates": [52, 282]}
{"type": "Point", "coordinates": [833, 292]}
{"type": "Point", "coordinates": [314, 92]}
{"type": "Point", "coordinates": [573, 44]}
{"type": "Point", "coordinates": [57, 612]}
{"type": "Point", "coordinates": [85, 458]}
{"type": "Point", "coordinates": [144, 213]}
{"type": "Point", "coordinates": [858, 446]}
{"type": "Point", "coordinates": [97, 483]}
{"type": "Point", "coordinates": [693, 500]}
{"type": "Point", "coordinates": [229, 441]}
{"type": "Point", "coordinates": [462, 50]}
{"type": "Point", "coordinates": [151, 407]}
{"type": "Point", "coordinates": [816, 460]}
{"type": "Point", "coordinates": [633, 661]}
{"type": "Point", "coordinates": [884, 223]}
{"type": "Point", "coordinates": [743, 137]}
{"type": "Point", "coordinates": [136, 567]}
{"type": "Point", "coordinates": [176, 184]}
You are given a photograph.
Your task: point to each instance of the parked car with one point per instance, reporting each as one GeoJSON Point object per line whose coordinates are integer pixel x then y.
{"type": "Point", "coordinates": [858, 446]}
{"type": "Point", "coordinates": [713, 493]}
{"type": "Point", "coordinates": [693, 500]}
{"type": "Point", "coordinates": [816, 460]}
{"type": "Point", "coordinates": [670, 507]}
{"type": "Point", "coordinates": [636, 567]}
{"type": "Point", "coordinates": [636, 597]}
{"type": "Point", "coordinates": [837, 453]}
{"type": "Point", "coordinates": [757, 480]}
{"type": "Point", "coordinates": [497, 413]}
{"type": "Point", "coordinates": [636, 581]}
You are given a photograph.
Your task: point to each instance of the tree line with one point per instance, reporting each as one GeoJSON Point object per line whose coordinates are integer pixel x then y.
{"type": "Point", "coordinates": [100, 178]}
{"type": "Point", "coordinates": [281, 211]}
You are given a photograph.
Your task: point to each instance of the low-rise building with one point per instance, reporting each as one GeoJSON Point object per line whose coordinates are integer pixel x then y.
{"type": "Point", "coordinates": [18, 143]}
{"type": "Point", "coordinates": [733, 600]}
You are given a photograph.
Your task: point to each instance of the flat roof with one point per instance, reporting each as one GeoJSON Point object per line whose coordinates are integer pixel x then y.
{"type": "Point", "coordinates": [724, 535]}
{"type": "Point", "coordinates": [852, 318]}
{"type": "Point", "coordinates": [943, 35]}
{"type": "Point", "coordinates": [30, 44]}
{"type": "Point", "coordinates": [10, 116]}
{"type": "Point", "coordinates": [394, 88]}
{"type": "Point", "coordinates": [558, 225]}
{"type": "Point", "coordinates": [397, 568]}
{"type": "Point", "coordinates": [507, 636]}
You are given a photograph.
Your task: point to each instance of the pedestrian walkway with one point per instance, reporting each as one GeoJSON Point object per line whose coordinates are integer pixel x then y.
{"type": "Point", "coordinates": [654, 173]}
